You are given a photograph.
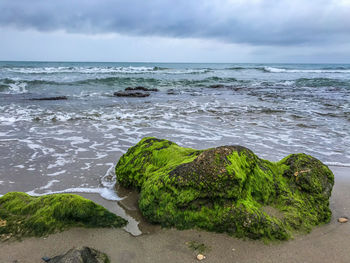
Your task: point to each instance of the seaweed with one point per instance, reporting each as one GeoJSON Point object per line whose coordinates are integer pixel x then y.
{"type": "Point", "coordinates": [227, 189]}
{"type": "Point", "coordinates": [25, 215]}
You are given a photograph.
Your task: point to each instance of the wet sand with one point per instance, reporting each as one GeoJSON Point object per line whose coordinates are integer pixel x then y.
{"type": "Point", "coordinates": [327, 243]}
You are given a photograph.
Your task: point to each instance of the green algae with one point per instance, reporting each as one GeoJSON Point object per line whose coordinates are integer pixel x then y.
{"type": "Point", "coordinates": [227, 189]}
{"type": "Point", "coordinates": [37, 216]}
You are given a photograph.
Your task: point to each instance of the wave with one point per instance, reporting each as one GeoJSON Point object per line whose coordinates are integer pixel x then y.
{"type": "Point", "coordinates": [321, 82]}
{"type": "Point", "coordinates": [153, 81]}
{"type": "Point", "coordinates": [284, 70]}
{"type": "Point", "coordinates": [16, 86]}
{"type": "Point", "coordinates": [83, 70]}
{"type": "Point", "coordinates": [236, 68]}
{"type": "Point", "coordinates": [337, 164]}
{"type": "Point", "coordinates": [335, 68]}
{"type": "Point", "coordinates": [13, 87]}
{"type": "Point", "coordinates": [8, 85]}
{"type": "Point", "coordinates": [159, 68]}
{"type": "Point", "coordinates": [245, 68]}
{"type": "Point", "coordinates": [103, 70]}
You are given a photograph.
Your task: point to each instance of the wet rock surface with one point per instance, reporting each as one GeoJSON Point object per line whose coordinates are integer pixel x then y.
{"type": "Point", "coordinates": [135, 94]}
{"type": "Point", "coordinates": [138, 92]}
{"type": "Point", "coordinates": [51, 98]}
{"type": "Point", "coordinates": [141, 88]}
{"type": "Point", "coordinates": [80, 255]}
{"type": "Point", "coordinates": [217, 86]}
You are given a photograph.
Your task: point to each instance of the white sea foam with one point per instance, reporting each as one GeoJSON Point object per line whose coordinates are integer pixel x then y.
{"type": "Point", "coordinates": [17, 87]}
{"type": "Point", "coordinates": [103, 70]}
{"type": "Point", "coordinates": [108, 179]}
{"type": "Point", "coordinates": [337, 164]}
{"type": "Point", "coordinates": [106, 190]}
{"type": "Point", "coordinates": [61, 160]}
{"type": "Point", "coordinates": [7, 120]}
{"type": "Point", "coordinates": [283, 70]}
{"type": "Point", "coordinates": [107, 194]}
{"type": "Point", "coordinates": [57, 173]}
{"type": "Point", "coordinates": [86, 167]}
{"type": "Point", "coordinates": [37, 147]}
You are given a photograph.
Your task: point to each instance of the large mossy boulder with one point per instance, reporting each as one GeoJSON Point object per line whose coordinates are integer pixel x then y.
{"type": "Point", "coordinates": [24, 215]}
{"type": "Point", "coordinates": [227, 189]}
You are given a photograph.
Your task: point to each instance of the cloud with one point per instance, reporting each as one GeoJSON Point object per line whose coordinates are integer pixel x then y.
{"type": "Point", "coordinates": [256, 22]}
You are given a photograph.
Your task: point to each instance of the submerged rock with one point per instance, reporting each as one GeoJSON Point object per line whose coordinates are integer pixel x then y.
{"type": "Point", "coordinates": [142, 88]}
{"type": "Point", "coordinates": [227, 189]}
{"type": "Point", "coordinates": [131, 94]}
{"type": "Point", "coordinates": [81, 255]}
{"type": "Point", "coordinates": [37, 216]}
{"type": "Point", "coordinates": [139, 92]}
{"type": "Point", "coordinates": [51, 98]}
{"type": "Point", "coordinates": [217, 86]}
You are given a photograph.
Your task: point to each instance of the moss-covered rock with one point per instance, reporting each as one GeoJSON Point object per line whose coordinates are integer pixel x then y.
{"type": "Point", "coordinates": [227, 189]}
{"type": "Point", "coordinates": [25, 215]}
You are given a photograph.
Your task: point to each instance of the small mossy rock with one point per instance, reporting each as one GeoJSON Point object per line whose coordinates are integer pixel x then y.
{"type": "Point", "coordinates": [81, 255]}
{"type": "Point", "coordinates": [227, 189]}
{"type": "Point", "coordinates": [309, 174]}
{"type": "Point", "coordinates": [36, 216]}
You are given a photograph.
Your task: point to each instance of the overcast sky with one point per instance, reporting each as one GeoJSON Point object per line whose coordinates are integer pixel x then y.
{"type": "Point", "coordinates": [176, 31]}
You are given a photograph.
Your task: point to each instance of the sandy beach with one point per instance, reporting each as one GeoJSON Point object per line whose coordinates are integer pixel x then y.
{"type": "Point", "coordinates": [131, 129]}
{"type": "Point", "coordinates": [327, 243]}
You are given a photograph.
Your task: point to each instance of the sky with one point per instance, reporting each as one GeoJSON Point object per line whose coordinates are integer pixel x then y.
{"type": "Point", "coordinates": [261, 31]}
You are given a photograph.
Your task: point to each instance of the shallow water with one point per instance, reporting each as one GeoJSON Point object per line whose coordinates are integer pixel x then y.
{"type": "Point", "coordinates": [73, 145]}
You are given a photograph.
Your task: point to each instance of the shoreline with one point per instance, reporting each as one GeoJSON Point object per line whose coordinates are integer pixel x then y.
{"type": "Point", "coordinates": [326, 243]}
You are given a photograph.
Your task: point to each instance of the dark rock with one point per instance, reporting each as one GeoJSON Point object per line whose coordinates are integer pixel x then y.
{"type": "Point", "coordinates": [217, 86]}
{"type": "Point", "coordinates": [51, 98]}
{"type": "Point", "coordinates": [81, 255]}
{"type": "Point", "coordinates": [141, 88]}
{"type": "Point", "coordinates": [227, 189]}
{"type": "Point", "coordinates": [131, 94]}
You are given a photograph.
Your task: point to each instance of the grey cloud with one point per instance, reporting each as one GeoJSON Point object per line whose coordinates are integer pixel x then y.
{"type": "Point", "coordinates": [257, 22]}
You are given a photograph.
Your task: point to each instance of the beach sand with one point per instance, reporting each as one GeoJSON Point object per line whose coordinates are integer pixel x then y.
{"type": "Point", "coordinates": [327, 243]}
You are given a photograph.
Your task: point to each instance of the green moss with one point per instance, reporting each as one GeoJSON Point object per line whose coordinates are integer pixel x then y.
{"type": "Point", "coordinates": [36, 216]}
{"type": "Point", "coordinates": [227, 189]}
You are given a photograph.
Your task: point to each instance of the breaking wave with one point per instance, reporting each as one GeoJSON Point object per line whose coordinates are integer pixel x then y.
{"type": "Point", "coordinates": [103, 70]}
{"type": "Point", "coordinates": [284, 70]}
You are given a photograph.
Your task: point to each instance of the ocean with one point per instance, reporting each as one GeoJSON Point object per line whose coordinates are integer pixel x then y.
{"type": "Point", "coordinates": [72, 145]}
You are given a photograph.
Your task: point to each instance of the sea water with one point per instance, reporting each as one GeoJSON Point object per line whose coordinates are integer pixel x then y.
{"type": "Point", "coordinates": [72, 145]}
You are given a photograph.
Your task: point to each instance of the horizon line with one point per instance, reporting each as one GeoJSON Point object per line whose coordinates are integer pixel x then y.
{"type": "Point", "coordinates": [155, 62]}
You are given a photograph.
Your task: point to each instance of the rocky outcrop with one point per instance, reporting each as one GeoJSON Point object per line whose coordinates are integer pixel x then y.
{"type": "Point", "coordinates": [139, 92]}
{"type": "Point", "coordinates": [131, 94]}
{"type": "Point", "coordinates": [141, 88]}
{"type": "Point", "coordinates": [51, 98]}
{"type": "Point", "coordinates": [217, 86]}
{"type": "Point", "coordinates": [227, 189]}
{"type": "Point", "coordinates": [25, 215]}
{"type": "Point", "coordinates": [80, 255]}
